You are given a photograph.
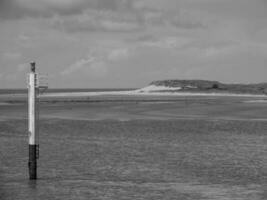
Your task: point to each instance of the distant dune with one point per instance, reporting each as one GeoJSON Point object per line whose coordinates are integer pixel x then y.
{"type": "Point", "coordinates": [166, 88]}
{"type": "Point", "coordinates": [203, 86]}
{"type": "Point", "coordinates": [181, 88]}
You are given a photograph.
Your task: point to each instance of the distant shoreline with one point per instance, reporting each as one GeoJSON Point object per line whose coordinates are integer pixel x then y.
{"type": "Point", "coordinates": [138, 93]}
{"type": "Point", "coordinates": [132, 93]}
{"type": "Point", "coordinates": [150, 90]}
{"type": "Point", "coordinates": [59, 90]}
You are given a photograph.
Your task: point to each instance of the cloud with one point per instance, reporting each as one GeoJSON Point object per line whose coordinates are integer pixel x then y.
{"type": "Point", "coordinates": [179, 18]}
{"type": "Point", "coordinates": [187, 23]}
{"type": "Point", "coordinates": [114, 21]}
{"type": "Point", "coordinates": [108, 25]}
{"type": "Point", "coordinates": [80, 64]}
{"type": "Point", "coordinates": [14, 9]}
{"type": "Point", "coordinates": [23, 37]}
{"type": "Point", "coordinates": [179, 35]}
{"type": "Point", "coordinates": [118, 54]}
{"type": "Point", "coordinates": [167, 42]}
{"type": "Point", "coordinates": [98, 15]}
{"type": "Point", "coordinates": [89, 66]}
{"type": "Point", "coordinates": [95, 20]}
{"type": "Point", "coordinates": [99, 59]}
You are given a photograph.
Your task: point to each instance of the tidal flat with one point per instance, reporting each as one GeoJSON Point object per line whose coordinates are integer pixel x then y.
{"type": "Point", "coordinates": [137, 148]}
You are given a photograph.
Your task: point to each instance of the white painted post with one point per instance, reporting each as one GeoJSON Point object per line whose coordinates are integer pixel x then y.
{"type": "Point", "coordinates": [32, 92]}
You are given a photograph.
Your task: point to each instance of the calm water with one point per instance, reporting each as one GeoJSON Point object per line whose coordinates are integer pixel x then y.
{"type": "Point", "coordinates": [184, 149]}
{"type": "Point", "coordinates": [136, 160]}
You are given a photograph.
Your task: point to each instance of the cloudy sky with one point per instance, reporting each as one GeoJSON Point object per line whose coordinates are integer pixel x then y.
{"type": "Point", "coordinates": [129, 43]}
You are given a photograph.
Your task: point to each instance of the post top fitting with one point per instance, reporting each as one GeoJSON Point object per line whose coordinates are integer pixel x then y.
{"type": "Point", "coordinates": [32, 67]}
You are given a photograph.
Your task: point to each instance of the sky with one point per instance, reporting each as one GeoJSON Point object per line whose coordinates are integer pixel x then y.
{"type": "Point", "coordinates": [129, 43]}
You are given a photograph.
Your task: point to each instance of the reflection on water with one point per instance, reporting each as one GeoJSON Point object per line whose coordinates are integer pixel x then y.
{"type": "Point", "coordinates": [32, 184]}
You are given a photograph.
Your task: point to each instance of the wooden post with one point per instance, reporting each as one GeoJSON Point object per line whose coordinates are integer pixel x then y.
{"type": "Point", "coordinates": [32, 92]}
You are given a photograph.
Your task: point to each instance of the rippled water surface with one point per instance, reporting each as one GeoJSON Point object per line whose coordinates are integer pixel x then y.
{"type": "Point", "coordinates": [138, 150]}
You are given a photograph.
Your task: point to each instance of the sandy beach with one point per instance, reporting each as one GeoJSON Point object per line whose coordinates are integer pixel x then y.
{"type": "Point", "coordinates": [146, 93]}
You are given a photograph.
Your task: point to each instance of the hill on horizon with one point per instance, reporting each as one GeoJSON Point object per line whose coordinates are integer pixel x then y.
{"type": "Point", "coordinates": [210, 86]}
